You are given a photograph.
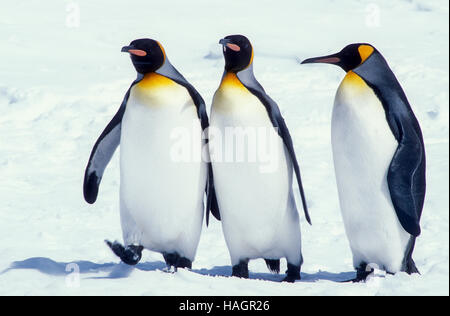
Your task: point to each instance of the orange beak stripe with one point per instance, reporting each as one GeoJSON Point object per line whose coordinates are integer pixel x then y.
{"type": "Point", "coordinates": [138, 52]}
{"type": "Point", "coordinates": [234, 47]}
{"type": "Point", "coordinates": [329, 60]}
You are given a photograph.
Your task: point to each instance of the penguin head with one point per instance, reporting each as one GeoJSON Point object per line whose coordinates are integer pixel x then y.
{"type": "Point", "coordinates": [348, 58]}
{"type": "Point", "coordinates": [146, 54]}
{"type": "Point", "coordinates": [238, 52]}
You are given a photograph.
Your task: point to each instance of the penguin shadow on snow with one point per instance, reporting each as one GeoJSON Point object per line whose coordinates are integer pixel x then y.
{"type": "Point", "coordinates": [113, 270]}
{"type": "Point", "coordinates": [121, 270]}
{"type": "Point", "coordinates": [225, 271]}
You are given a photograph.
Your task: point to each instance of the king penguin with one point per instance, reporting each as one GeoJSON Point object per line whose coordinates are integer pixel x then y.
{"type": "Point", "coordinates": [257, 207]}
{"type": "Point", "coordinates": [161, 198]}
{"type": "Point", "coordinates": [379, 161]}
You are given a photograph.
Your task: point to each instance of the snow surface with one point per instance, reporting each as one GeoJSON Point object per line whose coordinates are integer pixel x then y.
{"type": "Point", "coordinates": [61, 83]}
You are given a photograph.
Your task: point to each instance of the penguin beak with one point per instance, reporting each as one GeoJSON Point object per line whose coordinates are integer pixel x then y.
{"type": "Point", "coordinates": [126, 49]}
{"type": "Point", "coordinates": [334, 59]}
{"type": "Point", "coordinates": [224, 41]}
{"type": "Point", "coordinates": [132, 50]}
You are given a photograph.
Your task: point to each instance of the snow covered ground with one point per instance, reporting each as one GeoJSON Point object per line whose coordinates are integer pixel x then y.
{"type": "Point", "coordinates": [63, 77]}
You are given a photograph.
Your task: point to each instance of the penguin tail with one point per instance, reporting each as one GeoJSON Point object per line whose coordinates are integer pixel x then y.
{"type": "Point", "coordinates": [411, 267]}
{"type": "Point", "coordinates": [273, 265]}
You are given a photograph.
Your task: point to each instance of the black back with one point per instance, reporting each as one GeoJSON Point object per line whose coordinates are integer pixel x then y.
{"type": "Point", "coordinates": [406, 175]}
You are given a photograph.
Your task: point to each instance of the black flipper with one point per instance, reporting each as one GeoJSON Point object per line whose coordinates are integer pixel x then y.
{"type": "Point", "coordinates": [130, 255]}
{"type": "Point", "coordinates": [211, 204]}
{"type": "Point", "coordinates": [169, 71]}
{"type": "Point", "coordinates": [273, 265]}
{"type": "Point", "coordinates": [406, 175]}
{"type": "Point", "coordinates": [103, 151]}
{"type": "Point", "coordinates": [248, 79]}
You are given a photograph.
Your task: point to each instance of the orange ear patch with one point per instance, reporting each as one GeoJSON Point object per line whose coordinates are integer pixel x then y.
{"type": "Point", "coordinates": [233, 47]}
{"type": "Point", "coordinates": [162, 49]}
{"type": "Point", "coordinates": [251, 58]}
{"type": "Point", "coordinates": [138, 52]}
{"type": "Point", "coordinates": [365, 51]}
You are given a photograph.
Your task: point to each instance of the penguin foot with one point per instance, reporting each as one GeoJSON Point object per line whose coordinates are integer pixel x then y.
{"type": "Point", "coordinates": [362, 272]}
{"type": "Point", "coordinates": [130, 255]}
{"type": "Point", "coordinates": [361, 277]}
{"type": "Point", "coordinates": [241, 269]}
{"type": "Point", "coordinates": [184, 263]}
{"type": "Point", "coordinates": [292, 273]}
{"type": "Point", "coordinates": [170, 269]}
{"type": "Point", "coordinates": [176, 261]}
{"type": "Point", "coordinates": [273, 265]}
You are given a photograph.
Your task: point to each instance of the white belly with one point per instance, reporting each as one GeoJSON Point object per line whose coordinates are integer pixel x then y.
{"type": "Point", "coordinates": [363, 147]}
{"type": "Point", "coordinates": [253, 180]}
{"type": "Point", "coordinates": [162, 177]}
